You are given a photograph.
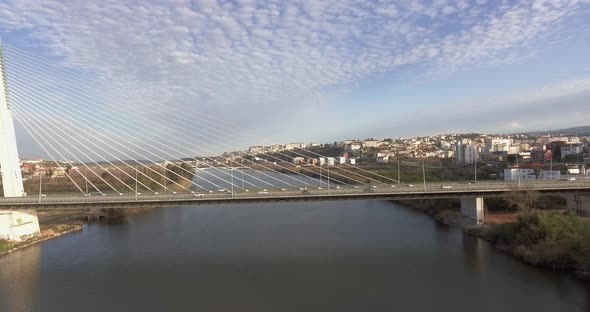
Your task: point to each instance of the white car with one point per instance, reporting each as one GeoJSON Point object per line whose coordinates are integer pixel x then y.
{"type": "Point", "coordinates": [571, 179]}
{"type": "Point", "coordinates": [199, 195]}
{"type": "Point", "coordinates": [410, 185]}
{"type": "Point", "coordinates": [263, 193]}
{"type": "Point", "coordinates": [446, 187]}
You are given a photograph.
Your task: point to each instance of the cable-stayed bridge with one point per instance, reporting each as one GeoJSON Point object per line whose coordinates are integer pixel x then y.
{"type": "Point", "coordinates": [117, 145]}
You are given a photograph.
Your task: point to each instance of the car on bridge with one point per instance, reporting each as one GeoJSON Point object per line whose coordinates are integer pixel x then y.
{"type": "Point", "coordinates": [262, 192]}
{"type": "Point", "coordinates": [199, 195]}
{"type": "Point", "coordinates": [446, 187]}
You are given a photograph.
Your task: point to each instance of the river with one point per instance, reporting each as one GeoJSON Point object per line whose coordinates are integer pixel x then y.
{"type": "Point", "coordinates": [321, 256]}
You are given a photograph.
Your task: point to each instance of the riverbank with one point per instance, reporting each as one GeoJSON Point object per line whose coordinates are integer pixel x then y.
{"type": "Point", "coordinates": [57, 223]}
{"type": "Point", "coordinates": [554, 240]}
{"type": "Point", "coordinates": [47, 233]}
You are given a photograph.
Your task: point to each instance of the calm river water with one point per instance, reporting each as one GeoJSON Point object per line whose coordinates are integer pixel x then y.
{"type": "Point", "coordinates": [325, 256]}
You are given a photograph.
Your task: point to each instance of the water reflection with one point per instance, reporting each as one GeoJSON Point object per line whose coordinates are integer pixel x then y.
{"type": "Point", "coordinates": [324, 256]}
{"type": "Point", "coordinates": [19, 279]}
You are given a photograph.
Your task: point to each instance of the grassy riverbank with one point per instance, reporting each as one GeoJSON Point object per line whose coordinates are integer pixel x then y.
{"type": "Point", "coordinates": [557, 240]}
{"type": "Point", "coordinates": [554, 239]}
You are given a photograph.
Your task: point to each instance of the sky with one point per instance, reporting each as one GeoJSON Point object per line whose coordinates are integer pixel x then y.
{"type": "Point", "coordinates": [311, 70]}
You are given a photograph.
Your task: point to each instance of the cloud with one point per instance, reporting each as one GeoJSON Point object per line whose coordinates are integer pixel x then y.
{"type": "Point", "coordinates": [257, 61]}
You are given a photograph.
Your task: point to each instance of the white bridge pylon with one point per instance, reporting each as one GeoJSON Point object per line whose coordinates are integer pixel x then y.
{"type": "Point", "coordinates": [12, 181]}
{"type": "Point", "coordinates": [15, 224]}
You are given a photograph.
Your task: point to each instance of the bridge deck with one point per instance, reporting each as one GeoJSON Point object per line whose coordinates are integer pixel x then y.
{"type": "Point", "coordinates": [378, 192]}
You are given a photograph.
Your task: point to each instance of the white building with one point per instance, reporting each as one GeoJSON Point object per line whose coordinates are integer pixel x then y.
{"type": "Point", "coordinates": [513, 175]}
{"type": "Point", "coordinates": [465, 153]}
{"type": "Point", "coordinates": [512, 150]}
{"type": "Point", "coordinates": [330, 161]}
{"type": "Point", "coordinates": [292, 146]}
{"type": "Point", "coordinates": [573, 140]}
{"type": "Point", "coordinates": [342, 160]}
{"type": "Point", "coordinates": [470, 154]}
{"type": "Point", "coordinates": [354, 146]}
{"type": "Point", "coordinates": [571, 149]}
{"type": "Point", "coordinates": [497, 145]}
{"type": "Point", "coordinates": [371, 143]}
{"type": "Point", "coordinates": [298, 160]}
{"type": "Point", "coordinates": [459, 153]}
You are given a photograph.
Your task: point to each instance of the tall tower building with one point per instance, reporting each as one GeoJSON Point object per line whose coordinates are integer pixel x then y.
{"type": "Point", "coordinates": [12, 181]}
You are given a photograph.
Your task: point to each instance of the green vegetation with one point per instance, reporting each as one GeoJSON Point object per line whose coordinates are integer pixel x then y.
{"type": "Point", "coordinates": [541, 235]}
{"type": "Point", "coordinates": [440, 209]}
{"type": "Point", "coordinates": [4, 246]}
{"type": "Point", "coordinates": [552, 239]}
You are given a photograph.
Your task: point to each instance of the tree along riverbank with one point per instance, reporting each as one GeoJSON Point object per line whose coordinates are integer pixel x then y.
{"type": "Point", "coordinates": [56, 223]}
{"type": "Point", "coordinates": [551, 238]}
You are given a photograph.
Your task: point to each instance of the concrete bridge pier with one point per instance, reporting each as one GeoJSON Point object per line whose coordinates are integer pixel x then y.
{"type": "Point", "coordinates": [19, 224]}
{"type": "Point", "coordinates": [578, 203]}
{"type": "Point", "coordinates": [472, 208]}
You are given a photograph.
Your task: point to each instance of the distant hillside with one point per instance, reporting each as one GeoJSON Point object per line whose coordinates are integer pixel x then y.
{"type": "Point", "coordinates": [583, 130]}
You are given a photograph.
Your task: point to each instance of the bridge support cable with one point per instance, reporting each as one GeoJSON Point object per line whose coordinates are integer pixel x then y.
{"type": "Point", "coordinates": [291, 177]}
{"type": "Point", "coordinates": [26, 127]}
{"type": "Point", "coordinates": [267, 155]}
{"type": "Point", "coordinates": [270, 141]}
{"type": "Point", "coordinates": [54, 116]}
{"type": "Point", "coordinates": [26, 123]}
{"type": "Point", "coordinates": [57, 116]}
{"type": "Point", "coordinates": [209, 159]}
{"type": "Point", "coordinates": [200, 177]}
{"type": "Point", "coordinates": [299, 173]}
{"type": "Point", "coordinates": [124, 121]}
{"type": "Point", "coordinates": [47, 129]}
{"type": "Point", "coordinates": [23, 117]}
{"type": "Point", "coordinates": [126, 155]}
{"type": "Point", "coordinates": [36, 115]}
{"type": "Point", "coordinates": [299, 154]}
{"type": "Point", "coordinates": [162, 117]}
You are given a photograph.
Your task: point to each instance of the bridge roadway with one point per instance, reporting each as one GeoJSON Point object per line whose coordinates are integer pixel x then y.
{"type": "Point", "coordinates": [365, 192]}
